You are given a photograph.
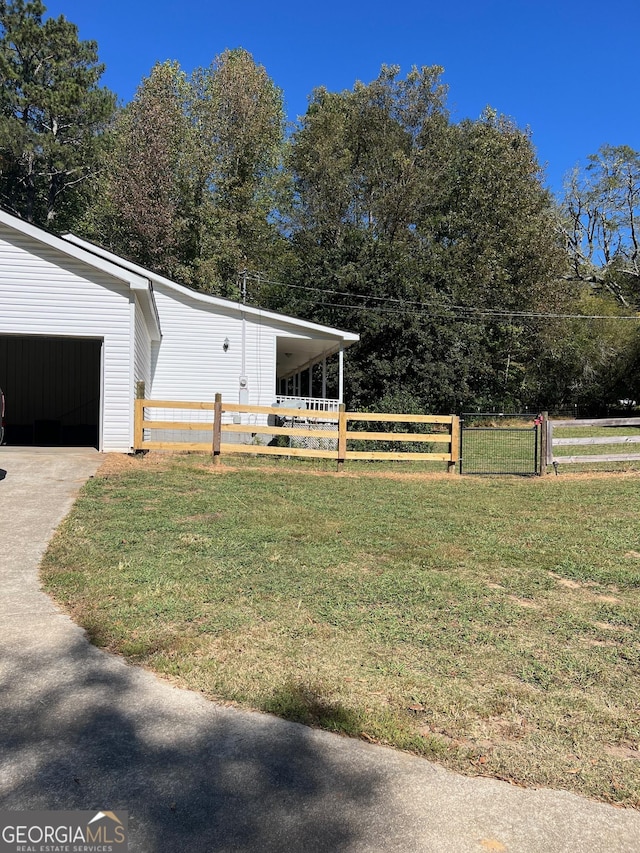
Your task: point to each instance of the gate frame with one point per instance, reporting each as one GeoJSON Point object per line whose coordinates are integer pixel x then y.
{"type": "Point", "coordinates": [539, 437]}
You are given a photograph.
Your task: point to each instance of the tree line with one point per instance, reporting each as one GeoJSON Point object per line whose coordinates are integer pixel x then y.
{"type": "Point", "coordinates": [471, 286]}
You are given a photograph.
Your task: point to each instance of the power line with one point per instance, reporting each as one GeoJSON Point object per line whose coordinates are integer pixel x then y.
{"type": "Point", "coordinates": [468, 312]}
{"type": "Point", "coordinates": [471, 313]}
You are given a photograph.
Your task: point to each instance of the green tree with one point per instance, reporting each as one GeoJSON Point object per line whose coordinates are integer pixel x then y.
{"type": "Point", "coordinates": [365, 166]}
{"type": "Point", "coordinates": [239, 118]}
{"type": "Point", "coordinates": [601, 208]}
{"type": "Point", "coordinates": [499, 252]}
{"type": "Point", "coordinates": [498, 234]}
{"type": "Point", "coordinates": [192, 178]}
{"type": "Point", "coordinates": [52, 114]}
{"type": "Point", "coordinates": [589, 363]}
{"type": "Point", "coordinates": [144, 197]}
{"type": "Point", "coordinates": [362, 159]}
{"type": "Point", "coordinates": [436, 236]}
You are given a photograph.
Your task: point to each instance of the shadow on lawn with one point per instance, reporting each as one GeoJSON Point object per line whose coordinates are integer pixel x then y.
{"type": "Point", "coordinates": [81, 730]}
{"type": "Point", "coordinates": [304, 703]}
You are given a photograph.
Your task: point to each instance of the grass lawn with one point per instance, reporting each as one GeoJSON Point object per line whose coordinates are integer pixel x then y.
{"type": "Point", "coordinates": [491, 624]}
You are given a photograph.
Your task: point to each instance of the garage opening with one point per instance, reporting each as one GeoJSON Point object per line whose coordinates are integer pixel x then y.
{"type": "Point", "coordinates": [52, 390]}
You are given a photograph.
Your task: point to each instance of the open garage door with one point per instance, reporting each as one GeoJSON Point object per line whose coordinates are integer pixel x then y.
{"type": "Point", "coordinates": [52, 390]}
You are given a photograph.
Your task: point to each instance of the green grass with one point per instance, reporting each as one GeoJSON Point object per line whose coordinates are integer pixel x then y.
{"type": "Point", "coordinates": [491, 624]}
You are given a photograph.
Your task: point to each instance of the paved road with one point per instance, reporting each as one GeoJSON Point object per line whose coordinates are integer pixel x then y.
{"type": "Point", "coordinates": [80, 729]}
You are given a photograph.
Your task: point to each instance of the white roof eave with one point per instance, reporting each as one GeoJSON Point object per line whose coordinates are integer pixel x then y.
{"type": "Point", "coordinates": [346, 338]}
{"type": "Point", "coordinates": [131, 277]}
{"type": "Point", "coordinates": [137, 281]}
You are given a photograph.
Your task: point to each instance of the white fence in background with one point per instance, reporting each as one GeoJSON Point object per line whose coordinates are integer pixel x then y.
{"type": "Point", "coordinates": [615, 438]}
{"type": "Point", "coordinates": [312, 404]}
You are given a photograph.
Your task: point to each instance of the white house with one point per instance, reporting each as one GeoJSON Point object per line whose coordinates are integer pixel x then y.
{"type": "Point", "coordinates": [81, 329]}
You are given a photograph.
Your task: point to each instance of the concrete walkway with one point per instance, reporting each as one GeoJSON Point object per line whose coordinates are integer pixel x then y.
{"type": "Point", "coordinates": [80, 729]}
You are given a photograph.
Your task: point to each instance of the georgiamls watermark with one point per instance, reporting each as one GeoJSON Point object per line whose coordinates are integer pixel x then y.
{"type": "Point", "coordinates": [64, 832]}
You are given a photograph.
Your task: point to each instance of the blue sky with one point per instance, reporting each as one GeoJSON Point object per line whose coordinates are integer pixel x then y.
{"type": "Point", "coordinates": [567, 70]}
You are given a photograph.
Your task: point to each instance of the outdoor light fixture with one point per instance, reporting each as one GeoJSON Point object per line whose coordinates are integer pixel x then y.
{"type": "Point", "coordinates": [225, 345]}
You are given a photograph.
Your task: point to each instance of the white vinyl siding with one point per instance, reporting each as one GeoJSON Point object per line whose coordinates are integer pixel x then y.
{"type": "Point", "coordinates": [45, 292]}
{"type": "Point", "coordinates": [142, 351]}
{"type": "Point", "coordinates": [190, 363]}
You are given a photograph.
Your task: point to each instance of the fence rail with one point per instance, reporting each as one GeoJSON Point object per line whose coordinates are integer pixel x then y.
{"type": "Point", "coordinates": [590, 441]}
{"type": "Point", "coordinates": [328, 432]}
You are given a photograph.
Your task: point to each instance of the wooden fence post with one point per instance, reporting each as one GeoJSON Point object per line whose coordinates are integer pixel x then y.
{"type": "Point", "coordinates": [549, 442]}
{"type": "Point", "coordinates": [342, 436]}
{"type": "Point", "coordinates": [217, 429]}
{"type": "Point", "coordinates": [138, 425]}
{"type": "Point", "coordinates": [138, 415]}
{"type": "Point", "coordinates": [455, 444]}
{"type": "Point", "coordinates": [544, 443]}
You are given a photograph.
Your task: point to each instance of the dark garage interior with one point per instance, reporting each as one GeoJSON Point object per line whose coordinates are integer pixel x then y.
{"type": "Point", "coordinates": [52, 390]}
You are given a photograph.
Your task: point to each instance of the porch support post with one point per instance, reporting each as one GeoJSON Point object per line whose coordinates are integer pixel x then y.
{"type": "Point", "coordinates": [311, 382]}
{"type": "Point", "coordinates": [324, 377]}
{"type": "Point", "coordinates": [341, 374]}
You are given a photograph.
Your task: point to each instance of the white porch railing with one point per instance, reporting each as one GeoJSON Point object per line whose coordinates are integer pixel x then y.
{"type": "Point", "coordinates": [315, 404]}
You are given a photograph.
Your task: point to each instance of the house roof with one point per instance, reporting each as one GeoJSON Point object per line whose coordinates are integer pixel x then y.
{"type": "Point", "coordinates": [300, 342]}
{"type": "Point", "coordinates": [138, 282]}
{"type": "Point", "coordinates": [292, 323]}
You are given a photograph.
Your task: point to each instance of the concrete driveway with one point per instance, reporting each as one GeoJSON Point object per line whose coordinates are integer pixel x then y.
{"type": "Point", "coordinates": [80, 729]}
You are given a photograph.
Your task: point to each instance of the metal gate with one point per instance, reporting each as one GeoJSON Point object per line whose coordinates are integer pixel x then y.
{"type": "Point", "coordinates": [493, 443]}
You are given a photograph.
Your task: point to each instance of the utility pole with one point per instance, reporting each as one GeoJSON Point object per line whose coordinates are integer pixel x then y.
{"type": "Point", "coordinates": [243, 286]}
{"type": "Point", "coordinates": [243, 380]}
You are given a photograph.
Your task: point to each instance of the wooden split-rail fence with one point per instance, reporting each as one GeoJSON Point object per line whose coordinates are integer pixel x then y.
{"type": "Point", "coordinates": [550, 441]}
{"type": "Point", "coordinates": [328, 431]}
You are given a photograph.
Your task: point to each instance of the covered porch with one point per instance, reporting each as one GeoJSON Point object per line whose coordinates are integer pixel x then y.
{"type": "Point", "coordinates": [310, 372]}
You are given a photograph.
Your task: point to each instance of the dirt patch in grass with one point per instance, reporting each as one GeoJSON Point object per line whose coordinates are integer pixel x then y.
{"type": "Point", "coordinates": [607, 626]}
{"type": "Point", "coordinates": [626, 753]}
{"type": "Point", "coordinates": [567, 472]}
{"type": "Point", "coordinates": [524, 602]}
{"type": "Point", "coordinates": [202, 517]}
{"type": "Point", "coordinates": [568, 583]}
{"type": "Point", "coordinates": [384, 474]}
{"type": "Point", "coordinates": [119, 464]}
